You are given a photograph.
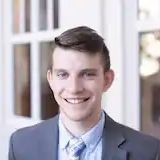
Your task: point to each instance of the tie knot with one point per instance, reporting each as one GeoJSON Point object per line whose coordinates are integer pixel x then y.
{"type": "Point", "coordinates": [76, 147]}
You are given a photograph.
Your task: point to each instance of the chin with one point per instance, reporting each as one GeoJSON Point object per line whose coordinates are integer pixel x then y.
{"type": "Point", "coordinates": [78, 117]}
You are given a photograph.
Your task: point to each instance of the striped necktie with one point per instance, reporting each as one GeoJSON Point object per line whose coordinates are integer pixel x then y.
{"type": "Point", "coordinates": [76, 147]}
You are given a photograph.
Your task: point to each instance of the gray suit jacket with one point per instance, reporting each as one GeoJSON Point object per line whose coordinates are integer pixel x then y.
{"type": "Point", "coordinates": [40, 142]}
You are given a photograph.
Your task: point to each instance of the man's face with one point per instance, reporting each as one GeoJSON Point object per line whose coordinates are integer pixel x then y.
{"type": "Point", "coordinates": [78, 81]}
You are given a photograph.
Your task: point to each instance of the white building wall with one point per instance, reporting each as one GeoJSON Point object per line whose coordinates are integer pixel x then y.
{"type": "Point", "coordinates": [113, 34]}
{"type": "Point", "coordinates": [0, 61]}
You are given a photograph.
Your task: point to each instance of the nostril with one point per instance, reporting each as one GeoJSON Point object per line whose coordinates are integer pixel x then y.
{"type": "Point", "coordinates": [86, 99]}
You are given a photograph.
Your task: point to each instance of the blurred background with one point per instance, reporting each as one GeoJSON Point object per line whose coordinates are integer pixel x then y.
{"type": "Point", "coordinates": [131, 29]}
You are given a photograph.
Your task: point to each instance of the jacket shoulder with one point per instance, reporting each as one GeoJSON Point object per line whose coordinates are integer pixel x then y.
{"type": "Point", "coordinates": [36, 131]}
{"type": "Point", "coordinates": [138, 143]}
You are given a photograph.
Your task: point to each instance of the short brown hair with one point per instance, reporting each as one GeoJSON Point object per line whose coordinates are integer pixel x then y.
{"type": "Point", "coordinates": [84, 39]}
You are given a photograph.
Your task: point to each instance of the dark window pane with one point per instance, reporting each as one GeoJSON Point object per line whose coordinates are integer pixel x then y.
{"type": "Point", "coordinates": [156, 103]}
{"type": "Point", "coordinates": [56, 13]}
{"type": "Point", "coordinates": [49, 107]}
{"type": "Point", "coordinates": [27, 15]}
{"type": "Point", "coordinates": [22, 98]}
{"type": "Point", "coordinates": [42, 14]}
{"type": "Point", "coordinates": [150, 82]}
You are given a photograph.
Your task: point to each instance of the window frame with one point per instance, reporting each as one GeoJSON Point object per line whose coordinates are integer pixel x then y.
{"type": "Point", "coordinates": [133, 27]}
{"type": "Point", "coordinates": [1, 63]}
{"type": "Point", "coordinates": [131, 65]}
{"type": "Point", "coordinates": [113, 34]}
{"type": "Point", "coordinates": [34, 37]}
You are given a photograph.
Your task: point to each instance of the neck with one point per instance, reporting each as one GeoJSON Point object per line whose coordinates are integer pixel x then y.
{"type": "Point", "coordinates": [78, 128]}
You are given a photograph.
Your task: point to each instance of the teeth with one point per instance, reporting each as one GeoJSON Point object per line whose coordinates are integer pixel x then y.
{"type": "Point", "coordinates": [75, 101]}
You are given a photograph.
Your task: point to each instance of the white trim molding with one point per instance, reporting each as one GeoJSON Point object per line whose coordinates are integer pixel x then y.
{"type": "Point", "coordinates": [131, 65]}
{"type": "Point", "coordinates": [1, 62]}
{"type": "Point", "coordinates": [113, 99]}
{"type": "Point", "coordinates": [122, 102]}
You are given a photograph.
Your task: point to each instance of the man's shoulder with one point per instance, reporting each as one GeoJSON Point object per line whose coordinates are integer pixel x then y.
{"type": "Point", "coordinates": [133, 134]}
{"type": "Point", "coordinates": [136, 144]}
{"type": "Point", "coordinates": [130, 133]}
{"type": "Point", "coordinates": [37, 130]}
{"type": "Point", "coordinates": [29, 142]}
{"type": "Point", "coordinates": [137, 141]}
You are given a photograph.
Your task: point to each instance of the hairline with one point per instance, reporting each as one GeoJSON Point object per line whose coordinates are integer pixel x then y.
{"type": "Point", "coordinates": [81, 51]}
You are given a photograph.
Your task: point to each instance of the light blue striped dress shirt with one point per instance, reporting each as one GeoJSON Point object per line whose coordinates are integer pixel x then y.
{"type": "Point", "coordinates": [92, 139]}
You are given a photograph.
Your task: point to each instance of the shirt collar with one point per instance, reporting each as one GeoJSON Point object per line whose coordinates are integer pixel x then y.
{"type": "Point", "coordinates": [93, 136]}
{"type": "Point", "coordinates": [64, 135]}
{"type": "Point", "coordinates": [90, 138]}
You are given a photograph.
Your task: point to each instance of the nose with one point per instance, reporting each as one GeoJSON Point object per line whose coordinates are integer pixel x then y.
{"type": "Point", "coordinates": [75, 85]}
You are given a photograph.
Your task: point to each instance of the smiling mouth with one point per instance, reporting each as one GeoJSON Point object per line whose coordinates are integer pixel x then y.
{"type": "Point", "coordinates": [76, 100]}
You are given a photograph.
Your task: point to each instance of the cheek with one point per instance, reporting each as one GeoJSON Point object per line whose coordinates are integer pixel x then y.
{"type": "Point", "coordinates": [99, 84]}
{"type": "Point", "coordinates": [94, 87]}
{"type": "Point", "coordinates": [56, 86]}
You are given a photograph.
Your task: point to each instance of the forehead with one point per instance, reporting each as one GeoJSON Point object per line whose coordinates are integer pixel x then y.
{"type": "Point", "coordinates": [71, 59]}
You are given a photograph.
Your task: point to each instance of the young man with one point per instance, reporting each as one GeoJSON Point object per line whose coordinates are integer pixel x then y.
{"type": "Point", "coordinates": [79, 75]}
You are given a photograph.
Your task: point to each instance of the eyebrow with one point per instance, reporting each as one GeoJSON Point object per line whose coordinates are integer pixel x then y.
{"type": "Point", "coordinates": [83, 70]}
{"type": "Point", "coordinates": [89, 70]}
{"type": "Point", "coordinates": [59, 70]}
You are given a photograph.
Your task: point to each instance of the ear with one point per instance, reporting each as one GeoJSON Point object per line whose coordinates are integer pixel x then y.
{"type": "Point", "coordinates": [49, 78]}
{"type": "Point", "coordinates": [108, 79]}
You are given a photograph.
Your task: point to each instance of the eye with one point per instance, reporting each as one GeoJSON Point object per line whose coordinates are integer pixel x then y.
{"type": "Point", "coordinates": [89, 75]}
{"type": "Point", "coordinates": [62, 75]}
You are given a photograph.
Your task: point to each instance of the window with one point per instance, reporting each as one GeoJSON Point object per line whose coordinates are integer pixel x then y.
{"type": "Point", "coordinates": [149, 68]}
{"type": "Point", "coordinates": [34, 24]}
{"type": "Point", "coordinates": [150, 81]}
{"type": "Point", "coordinates": [142, 43]}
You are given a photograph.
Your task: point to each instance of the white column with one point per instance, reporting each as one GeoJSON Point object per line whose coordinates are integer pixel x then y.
{"type": "Point", "coordinates": [35, 77]}
{"type": "Point", "coordinates": [1, 65]}
{"type": "Point", "coordinates": [8, 82]}
{"type": "Point", "coordinates": [131, 65]}
{"type": "Point", "coordinates": [22, 16]}
{"type": "Point", "coordinates": [113, 34]}
{"type": "Point", "coordinates": [50, 14]}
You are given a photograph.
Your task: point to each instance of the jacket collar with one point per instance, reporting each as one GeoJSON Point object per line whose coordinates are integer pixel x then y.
{"type": "Point", "coordinates": [112, 139]}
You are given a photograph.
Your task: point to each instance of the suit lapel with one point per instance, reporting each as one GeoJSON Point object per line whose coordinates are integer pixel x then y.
{"type": "Point", "coordinates": [48, 150]}
{"type": "Point", "coordinates": [112, 138]}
